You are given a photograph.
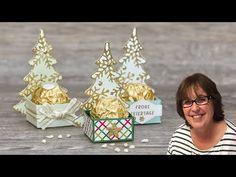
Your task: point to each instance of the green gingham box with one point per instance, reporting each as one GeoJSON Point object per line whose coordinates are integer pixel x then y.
{"type": "Point", "coordinates": [145, 111]}
{"type": "Point", "coordinates": [108, 130]}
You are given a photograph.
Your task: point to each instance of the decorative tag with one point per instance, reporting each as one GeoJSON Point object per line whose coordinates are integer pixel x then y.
{"type": "Point", "coordinates": [143, 110]}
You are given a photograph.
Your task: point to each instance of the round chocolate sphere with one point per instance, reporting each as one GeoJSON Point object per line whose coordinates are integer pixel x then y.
{"type": "Point", "coordinates": [109, 108]}
{"type": "Point", "coordinates": [138, 91]}
{"type": "Point", "coordinates": [50, 93]}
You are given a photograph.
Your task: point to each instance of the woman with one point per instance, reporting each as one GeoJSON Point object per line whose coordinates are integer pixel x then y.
{"type": "Point", "coordinates": [205, 130]}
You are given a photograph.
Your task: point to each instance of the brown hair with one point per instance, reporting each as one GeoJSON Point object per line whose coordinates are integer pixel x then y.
{"type": "Point", "coordinates": [195, 81]}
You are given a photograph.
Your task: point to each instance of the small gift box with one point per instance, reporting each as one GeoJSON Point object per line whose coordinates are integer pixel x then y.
{"type": "Point", "coordinates": [146, 111]}
{"type": "Point", "coordinates": [108, 129]}
{"type": "Point", "coordinates": [106, 117]}
{"type": "Point", "coordinates": [50, 106]}
{"type": "Point", "coordinates": [56, 115]}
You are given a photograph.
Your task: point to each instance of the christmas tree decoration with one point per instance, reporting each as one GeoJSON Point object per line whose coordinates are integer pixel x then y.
{"type": "Point", "coordinates": [42, 71]}
{"type": "Point", "coordinates": [106, 80]}
{"type": "Point", "coordinates": [143, 103]}
{"type": "Point", "coordinates": [44, 102]}
{"type": "Point", "coordinates": [131, 70]}
{"type": "Point", "coordinates": [105, 114]}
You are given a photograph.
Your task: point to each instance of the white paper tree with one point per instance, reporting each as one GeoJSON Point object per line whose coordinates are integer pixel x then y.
{"type": "Point", "coordinates": [106, 80]}
{"type": "Point", "coordinates": [42, 71]}
{"type": "Point", "coordinates": [131, 70]}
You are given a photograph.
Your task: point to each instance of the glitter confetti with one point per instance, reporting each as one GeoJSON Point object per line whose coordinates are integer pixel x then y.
{"type": "Point", "coordinates": [117, 149]}
{"type": "Point", "coordinates": [49, 136]}
{"type": "Point", "coordinates": [104, 145]}
{"type": "Point", "coordinates": [126, 145]}
{"type": "Point", "coordinates": [132, 146]}
{"type": "Point", "coordinates": [126, 150]}
{"type": "Point", "coordinates": [144, 140]}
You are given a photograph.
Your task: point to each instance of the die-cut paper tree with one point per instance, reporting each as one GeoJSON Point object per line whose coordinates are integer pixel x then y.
{"type": "Point", "coordinates": [42, 71]}
{"type": "Point", "coordinates": [106, 80]}
{"type": "Point", "coordinates": [131, 70]}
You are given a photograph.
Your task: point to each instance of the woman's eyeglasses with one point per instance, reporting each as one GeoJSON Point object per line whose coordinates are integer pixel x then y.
{"type": "Point", "coordinates": [202, 100]}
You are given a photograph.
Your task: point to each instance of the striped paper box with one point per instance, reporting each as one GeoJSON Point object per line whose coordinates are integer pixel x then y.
{"type": "Point", "coordinates": [34, 116]}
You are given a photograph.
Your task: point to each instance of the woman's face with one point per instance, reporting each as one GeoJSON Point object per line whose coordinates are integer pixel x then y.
{"type": "Point", "coordinates": [199, 116]}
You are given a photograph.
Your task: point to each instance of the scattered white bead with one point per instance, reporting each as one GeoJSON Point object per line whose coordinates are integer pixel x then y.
{"type": "Point", "coordinates": [132, 146]}
{"type": "Point", "coordinates": [112, 144]}
{"type": "Point", "coordinates": [59, 136]}
{"type": "Point", "coordinates": [144, 140]}
{"type": "Point", "coordinates": [117, 149]}
{"type": "Point", "coordinates": [126, 150]}
{"type": "Point", "coordinates": [68, 135]}
{"type": "Point", "coordinates": [104, 145]}
{"type": "Point", "coordinates": [126, 145]}
{"type": "Point", "coordinates": [49, 136]}
{"type": "Point", "coordinates": [44, 141]}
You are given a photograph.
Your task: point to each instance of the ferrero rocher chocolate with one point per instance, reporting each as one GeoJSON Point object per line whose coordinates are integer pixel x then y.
{"type": "Point", "coordinates": [138, 91]}
{"type": "Point", "coordinates": [109, 108]}
{"type": "Point", "coordinates": [50, 93]}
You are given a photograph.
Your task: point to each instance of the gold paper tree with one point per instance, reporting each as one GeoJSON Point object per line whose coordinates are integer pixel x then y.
{"type": "Point", "coordinates": [106, 80]}
{"type": "Point", "coordinates": [42, 71]}
{"type": "Point", "coordinates": [131, 70]}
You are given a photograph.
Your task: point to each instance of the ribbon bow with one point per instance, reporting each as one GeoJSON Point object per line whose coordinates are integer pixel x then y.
{"type": "Point", "coordinates": [49, 114]}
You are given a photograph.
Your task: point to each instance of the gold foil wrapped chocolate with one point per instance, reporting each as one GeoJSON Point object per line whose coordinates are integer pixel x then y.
{"type": "Point", "coordinates": [50, 93]}
{"type": "Point", "coordinates": [109, 108]}
{"type": "Point", "coordinates": [138, 91]}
